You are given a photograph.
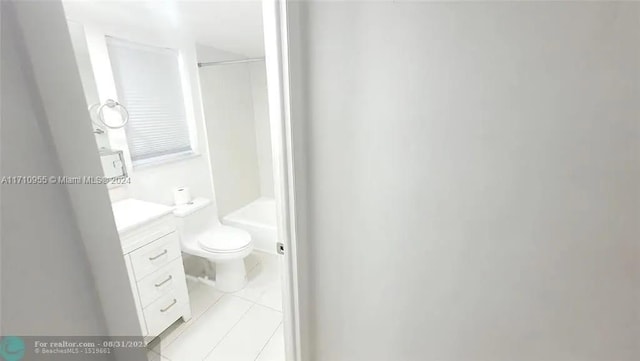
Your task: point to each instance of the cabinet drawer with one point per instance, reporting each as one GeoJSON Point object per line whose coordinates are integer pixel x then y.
{"type": "Point", "coordinates": [156, 254]}
{"type": "Point", "coordinates": [164, 311]}
{"type": "Point", "coordinates": [169, 278]}
{"type": "Point", "coordinates": [143, 235]}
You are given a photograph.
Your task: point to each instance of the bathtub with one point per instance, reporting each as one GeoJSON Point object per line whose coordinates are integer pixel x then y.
{"type": "Point", "coordinates": [259, 219]}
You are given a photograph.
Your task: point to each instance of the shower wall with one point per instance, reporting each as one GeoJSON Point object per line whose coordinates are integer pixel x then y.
{"type": "Point", "coordinates": [236, 115]}
{"type": "Point", "coordinates": [263, 130]}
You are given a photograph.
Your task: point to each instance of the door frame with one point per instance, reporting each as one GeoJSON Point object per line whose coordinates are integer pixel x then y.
{"type": "Point", "coordinates": [274, 13]}
{"type": "Point", "coordinates": [100, 259]}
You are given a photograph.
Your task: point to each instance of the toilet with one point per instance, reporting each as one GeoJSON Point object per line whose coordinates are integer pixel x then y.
{"type": "Point", "coordinates": [202, 234]}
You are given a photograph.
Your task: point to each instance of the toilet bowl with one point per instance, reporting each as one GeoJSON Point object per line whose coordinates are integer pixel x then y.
{"type": "Point", "coordinates": [202, 235]}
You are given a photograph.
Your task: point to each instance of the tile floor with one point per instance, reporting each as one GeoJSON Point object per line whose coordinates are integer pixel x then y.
{"type": "Point", "coordinates": [241, 326]}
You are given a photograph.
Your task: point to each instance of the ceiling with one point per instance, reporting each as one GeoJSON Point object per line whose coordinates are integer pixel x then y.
{"type": "Point", "coordinates": [233, 26]}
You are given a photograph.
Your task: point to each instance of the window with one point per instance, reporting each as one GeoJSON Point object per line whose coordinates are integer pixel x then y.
{"type": "Point", "coordinates": [148, 83]}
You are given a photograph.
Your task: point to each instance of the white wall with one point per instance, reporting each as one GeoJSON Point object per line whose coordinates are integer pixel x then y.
{"type": "Point", "coordinates": [229, 113]}
{"type": "Point", "coordinates": [30, 255]}
{"type": "Point", "coordinates": [263, 133]}
{"type": "Point", "coordinates": [473, 179]}
{"type": "Point", "coordinates": [153, 182]}
{"type": "Point", "coordinates": [83, 59]}
{"type": "Point", "coordinates": [49, 232]}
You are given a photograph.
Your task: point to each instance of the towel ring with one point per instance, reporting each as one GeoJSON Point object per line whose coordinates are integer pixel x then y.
{"type": "Point", "coordinates": [110, 103]}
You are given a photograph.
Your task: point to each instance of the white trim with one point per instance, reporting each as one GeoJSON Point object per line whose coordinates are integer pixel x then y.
{"type": "Point", "coordinates": [276, 61]}
{"type": "Point", "coordinates": [164, 159]}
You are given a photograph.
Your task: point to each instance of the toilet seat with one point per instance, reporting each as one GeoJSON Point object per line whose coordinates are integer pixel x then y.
{"type": "Point", "coordinates": [202, 235]}
{"type": "Point", "coordinates": [224, 239]}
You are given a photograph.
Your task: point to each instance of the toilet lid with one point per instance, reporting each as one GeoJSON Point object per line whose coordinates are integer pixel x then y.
{"type": "Point", "coordinates": [224, 239]}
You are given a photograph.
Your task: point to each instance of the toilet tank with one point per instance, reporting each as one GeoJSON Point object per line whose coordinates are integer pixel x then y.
{"type": "Point", "coordinates": [195, 216]}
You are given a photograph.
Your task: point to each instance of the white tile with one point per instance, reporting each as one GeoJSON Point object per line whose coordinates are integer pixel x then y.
{"type": "Point", "coordinates": [152, 356]}
{"type": "Point", "coordinates": [207, 330]}
{"type": "Point", "coordinates": [168, 336]}
{"type": "Point", "coordinates": [248, 337]}
{"type": "Point", "coordinates": [268, 258]}
{"type": "Point", "coordinates": [272, 297]}
{"type": "Point", "coordinates": [274, 350]}
{"type": "Point", "coordinates": [270, 282]}
{"type": "Point", "coordinates": [254, 288]}
{"type": "Point", "coordinates": [251, 261]}
{"type": "Point", "coordinates": [264, 285]}
{"type": "Point", "coordinates": [201, 298]}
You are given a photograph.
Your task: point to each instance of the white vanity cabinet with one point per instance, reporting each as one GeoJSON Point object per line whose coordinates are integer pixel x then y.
{"type": "Point", "coordinates": [151, 250]}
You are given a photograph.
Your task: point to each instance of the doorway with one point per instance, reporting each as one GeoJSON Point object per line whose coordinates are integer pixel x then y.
{"type": "Point", "coordinates": [233, 152]}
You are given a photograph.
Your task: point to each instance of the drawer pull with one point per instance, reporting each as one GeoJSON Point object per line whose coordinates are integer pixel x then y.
{"type": "Point", "coordinates": [158, 256]}
{"type": "Point", "coordinates": [165, 281]}
{"type": "Point", "coordinates": [168, 307]}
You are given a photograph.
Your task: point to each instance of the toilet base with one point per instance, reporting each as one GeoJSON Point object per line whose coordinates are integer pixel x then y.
{"type": "Point", "coordinates": [231, 276]}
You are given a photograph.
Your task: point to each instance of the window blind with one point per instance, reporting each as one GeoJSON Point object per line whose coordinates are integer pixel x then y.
{"type": "Point", "coordinates": [148, 83]}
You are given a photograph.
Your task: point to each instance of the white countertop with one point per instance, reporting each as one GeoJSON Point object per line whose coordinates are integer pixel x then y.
{"type": "Point", "coordinates": [132, 213]}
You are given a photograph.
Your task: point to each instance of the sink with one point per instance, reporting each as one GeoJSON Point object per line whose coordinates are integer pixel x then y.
{"type": "Point", "coordinates": [132, 213]}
